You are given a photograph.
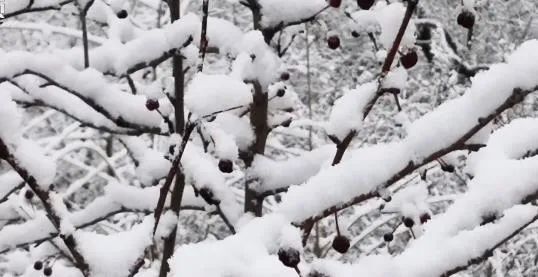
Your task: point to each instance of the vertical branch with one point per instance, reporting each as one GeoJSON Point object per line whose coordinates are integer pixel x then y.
{"type": "Point", "coordinates": [179, 185]}
{"type": "Point", "coordinates": [203, 36]}
{"type": "Point", "coordinates": [83, 21]}
{"type": "Point", "coordinates": [258, 120]}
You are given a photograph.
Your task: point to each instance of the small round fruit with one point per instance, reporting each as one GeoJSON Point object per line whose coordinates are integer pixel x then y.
{"type": "Point", "coordinates": [285, 76]}
{"type": "Point", "coordinates": [152, 104]}
{"type": "Point", "coordinates": [409, 60]}
{"type": "Point", "coordinates": [29, 194]}
{"type": "Point", "coordinates": [289, 257]}
{"type": "Point", "coordinates": [316, 274]}
{"type": "Point", "coordinates": [424, 218]}
{"type": "Point", "coordinates": [355, 34]}
{"type": "Point", "coordinates": [226, 166]}
{"type": "Point", "coordinates": [448, 168]}
{"type": "Point", "coordinates": [47, 271]}
{"type": "Point", "coordinates": [388, 237]}
{"type": "Point", "coordinates": [208, 196]}
{"type": "Point", "coordinates": [281, 92]}
{"type": "Point", "coordinates": [122, 14]}
{"type": "Point", "coordinates": [333, 42]}
{"type": "Point", "coordinates": [408, 222]}
{"type": "Point", "coordinates": [335, 3]}
{"type": "Point", "coordinates": [466, 19]}
{"type": "Point", "coordinates": [341, 244]}
{"type": "Point", "coordinates": [365, 4]}
{"type": "Point", "coordinates": [38, 265]}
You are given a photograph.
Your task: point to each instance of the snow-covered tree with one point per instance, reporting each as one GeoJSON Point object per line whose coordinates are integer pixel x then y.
{"type": "Point", "coordinates": [268, 138]}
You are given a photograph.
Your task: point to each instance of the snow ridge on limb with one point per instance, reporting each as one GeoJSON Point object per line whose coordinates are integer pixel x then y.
{"type": "Point", "coordinates": [437, 133]}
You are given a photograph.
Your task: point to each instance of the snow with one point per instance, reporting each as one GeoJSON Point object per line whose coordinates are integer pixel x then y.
{"type": "Point", "coordinates": [114, 255]}
{"type": "Point", "coordinates": [390, 18]}
{"type": "Point", "coordinates": [201, 170]}
{"type": "Point", "coordinates": [348, 111]}
{"type": "Point", "coordinates": [252, 251]}
{"type": "Point", "coordinates": [275, 12]}
{"type": "Point", "coordinates": [238, 127]}
{"type": "Point", "coordinates": [293, 171]}
{"type": "Point", "coordinates": [10, 120]}
{"type": "Point", "coordinates": [207, 94]}
{"type": "Point", "coordinates": [370, 167]}
{"type": "Point", "coordinates": [152, 165]}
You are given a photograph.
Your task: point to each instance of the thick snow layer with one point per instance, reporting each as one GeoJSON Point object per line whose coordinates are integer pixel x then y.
{"type": "Point", "coordinates": [293, 171]}
{"type": "Point", "coordinates": [252, 252]}
{"type": "Point", "coordinates": [390, 18]}
{"type": "Point", "coordinates": [513, 141]}
{"type": "Point", "coordinates": [10, 120]}
{"type": "Point", "coordinates": [275, 12]}
{"type": "Point", "coordinates": [238, 127]}
{"type": "Point", "coordinates": [370, 167]}
{"type": "Point", "coordinates": [201, 169]}
{"type": "Point", "coordinates": [114, 255]}
{"type": "Point", "coordinates": [207, 94]}
{"type": "Point", "coordinates": [89, 85]}
{"type": "Point", "coordinates": [152, 165]}
{"type": "Point", "coordinates": [348, 111]}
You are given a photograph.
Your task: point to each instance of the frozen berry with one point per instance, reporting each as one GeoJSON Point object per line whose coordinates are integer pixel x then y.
{"type": "Point", "coordinates": [408, 222]}
{"type": "Point", "coordinates": [316, 274]}
{"type": "Point", "coordinates": [388, 237]}
{"type": "Point", "coordinates": [47, 271]}
{"type": "Point", "coordinates": [355, 34]}
{"type": "Point", "coordinates": [365, 4]}
{"type": "Point", "coordinates": [286, 123]}
{"type": "Point", "coordinates": [226, 166]}
{"type": "Point", "coordinates": [335, 3]}
{"type": "Point", "coordinates": [281, 92]}
{"type": "Point", "coordinates": [122, 14]}
{"type": "Point", "coordinates": [285, 76]}
{"type": "Point", "coordinates": [29, 194]}
{"type": "Point", "coordinates": [333, 42]}
{"type": "Point", "coordinates": [409, 60]}
{"type": "Point", "coordinates": [341, 244]}
{"type": "Point", "coordinates": [447, 168]}
{"type": "Point", "coordinates": [152, 104]}
{"type": "Point", "coordinates": [38, 265]}
{"type": "Point", "coordinates": [208, 196]}
{"type": "Point", "coordinates": [424, 218]}
{"type": "Point", "coordinates": [466, 19]}
{"type": "Point", "coordinates": [289, 257]}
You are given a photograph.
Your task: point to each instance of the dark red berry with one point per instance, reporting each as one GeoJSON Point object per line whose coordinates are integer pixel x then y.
{"type": "Point", "coordinates": [341, 244]}
{"type": "Point", "coordinates": [281, 92]}
{"type": "Point", "coordinates": [466, 19]}
{"type": "Point", "coordinates": [286, 123]}
{"type": "Point", "coordinates": [408, 222]}
{"type": "Point", "coordinates": [388, 237]}
{"type": "Point", "coordinates": [289, 257]}
{"type": "Point", "coordinates": [424, 218]}
{"type": "Point", "coordinates": [208, 196]}
{"type": "Point", "coordinates": [285, 76]}
{"type": "Point", "coordinates": [409, 60]}
{"type": "Point", "coordinates": [365, 4]}
{"type": "Point", "coordinates": [335, 3]}
{"type": "Point", "coordinates": [316, 274]}
{"type": "Point", "coordinates": [47, 271]}
{"type": "Point", "coordinates": [122, 14]}
{"type": "Point", "coordinates": [38, 265]}
{"type": "Point", "coordinates": [226, 166]}
{"type": "Point", "coordinates": [447, 168]}
{"type": "Point", "coordinates": [333, 42]}
{"type": "Point", "coordinates": [152, 104]}
{"type": "Point", "coordinates": [355, 34]}
{"type": "Point", "coordinates": [29, 194]}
